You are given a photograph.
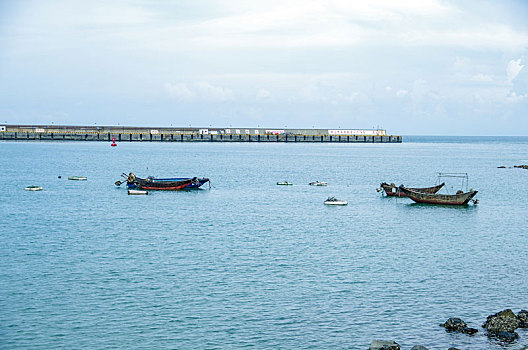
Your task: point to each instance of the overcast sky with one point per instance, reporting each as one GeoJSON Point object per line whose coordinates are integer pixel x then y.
{"type": "Point", "coordinates": [426, 67]}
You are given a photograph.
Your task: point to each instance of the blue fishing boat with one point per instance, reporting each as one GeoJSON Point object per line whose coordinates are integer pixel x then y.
{"type": "Point", "coordinates": [168, 184]}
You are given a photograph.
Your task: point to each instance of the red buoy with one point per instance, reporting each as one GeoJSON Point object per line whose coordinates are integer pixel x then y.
{"type": "Point", "coordinates": [113, 142]}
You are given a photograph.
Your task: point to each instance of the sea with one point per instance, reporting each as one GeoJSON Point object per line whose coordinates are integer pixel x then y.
{"type": "Point", "coordinates": [245, 263]}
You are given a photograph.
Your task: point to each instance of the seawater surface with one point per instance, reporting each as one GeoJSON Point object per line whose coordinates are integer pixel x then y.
{"type": "Point", "coordinates": [248, 263]}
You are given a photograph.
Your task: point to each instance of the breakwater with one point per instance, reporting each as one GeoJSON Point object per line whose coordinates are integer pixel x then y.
{"type": "Point", "coordinates": [157, 134]}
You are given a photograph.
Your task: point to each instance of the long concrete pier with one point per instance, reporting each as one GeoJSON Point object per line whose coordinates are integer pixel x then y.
{"type": "Point", "coordinates": [163, 134]}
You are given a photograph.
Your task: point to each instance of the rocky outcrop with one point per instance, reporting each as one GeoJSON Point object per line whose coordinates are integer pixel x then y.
{"type": "Point", "coordinates": [507, 337]}
{"type": "Point", "coordinates": [419, 347]}
{"type": "Point", "coordinates": [455, 324]}
{"type": "Point", "coordinates": [502, 325]}
{"type": "Point", "coordinates": [515, 166]}
{"type": "Point", "coordinates": [384, 345]}
{"type": "Point", "coordinates": [522, 316]}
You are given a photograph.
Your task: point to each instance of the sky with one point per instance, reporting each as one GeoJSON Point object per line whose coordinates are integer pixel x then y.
{"type": "Point", "coordinates": [412, 67]}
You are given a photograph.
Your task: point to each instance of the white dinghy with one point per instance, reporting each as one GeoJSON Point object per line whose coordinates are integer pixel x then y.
{"type": "Point", "coordinates": [137, 192]}
{"type": "Point", "coordinates": [335, 201]}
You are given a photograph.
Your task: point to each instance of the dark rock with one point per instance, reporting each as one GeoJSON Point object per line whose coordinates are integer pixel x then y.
{"type": "Point", "coordinates": [469, 330]}
{"type": "Point", "coordinates": [504, 321]}
{"type": "Point", "coordinates": [506, 313]}
{"type": "Point", "coordinates": [506, 336]}
{"type": "Point", "coordinates": [419, 347]}
{"type": "Point", "coordinates": [521, 166]}
{"type": "Point", "coordinates": [384, 345]}
{"type": "Point", "coordinates": [454, 324]}
{"type": "Point", "coordinates": [522, 316]}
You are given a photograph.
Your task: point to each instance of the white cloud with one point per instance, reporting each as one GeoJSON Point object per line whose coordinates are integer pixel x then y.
{"type": "Point", "coordinates": [481, 78]}
{"type": "Point", "coordinates": [214, 93]}
{"type": "Point", "coordinates": [311, 23]}
{"type": "Point", "coordinates": [513, 69]}
{"type": "Point", "coordinates": [263, 95]}
{"type": "Point", "coordinates": [179, 91]}
{"type": "Point", "coordinates": [203, 91]}
{"type": "Point", "coordinates": [351, 97]}
{"type": "Point", "coordinates": [513, 97]}
{"type": "Point", "coordinates": [402, 93]}
{"type": "Point", "coordinates": [115, 13]}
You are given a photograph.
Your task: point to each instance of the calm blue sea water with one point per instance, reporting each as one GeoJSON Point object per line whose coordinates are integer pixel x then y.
{"type": "Point", "coordinates": [251, 264]}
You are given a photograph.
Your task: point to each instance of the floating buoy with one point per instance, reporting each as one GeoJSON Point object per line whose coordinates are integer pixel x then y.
{"type": "Point", "coordinates": [60, 177]}
{"type": "Point", "coordinates": [113, 142]}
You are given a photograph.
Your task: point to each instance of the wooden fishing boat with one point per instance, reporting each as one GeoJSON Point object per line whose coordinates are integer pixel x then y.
{"type": "Point", "coordinates": [166, 184]}
{"type": "Point", "coordinates": [460, 198]}
{"type": "Point", "coordinates": [393, 191]}
{"type": "Point", "coordinates": [335, 201]}
{"type": "Point", "coordinates": [195, 182]}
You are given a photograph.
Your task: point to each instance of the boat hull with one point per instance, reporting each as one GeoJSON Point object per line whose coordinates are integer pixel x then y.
{"type": "Point", "coordinates": [393, 191]}
{"type": "Point", "coordinates": [137, 192]}
{"type": "Point", "coordinates": [77, 178]}
{"type": "Point", "coordinates": [162, 185]}
{"type": "Point", "coordinates": [336, 203]}
{"type": "Point", "coordinates": [434, 198]}
{"type": "Point", "coordinates": [318, 183]}
{"type": "Point", "coordinates": [166, 184]}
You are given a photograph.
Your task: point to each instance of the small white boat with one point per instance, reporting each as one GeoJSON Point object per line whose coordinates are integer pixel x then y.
{"type": "Point", "coordinates": [33, 188]}
{"type": "Point", "coordinates": [78, 178]}
{"type": "Point", "coordinates": [318, 183]}
{"type": "Point", "coordinates": [335, 201]}
{"type": "Point", "coordinates": [284, 183]}
{"type": "Point", "coordinates": [137, 192]}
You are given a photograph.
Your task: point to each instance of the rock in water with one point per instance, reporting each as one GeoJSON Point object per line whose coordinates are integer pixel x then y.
{"type": "Point", "coordinates": [419, 347]}
{"type": "Point", "coordinates": [504, 321]}
{"type": "Point", "coordinates": [522, 316]}
{"type": "Point", "coordinates": [506, 336]}
{"type": "Point", "coordinates": [455, 324]}
{"type": "Point", "coordinates": [384, 345]}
